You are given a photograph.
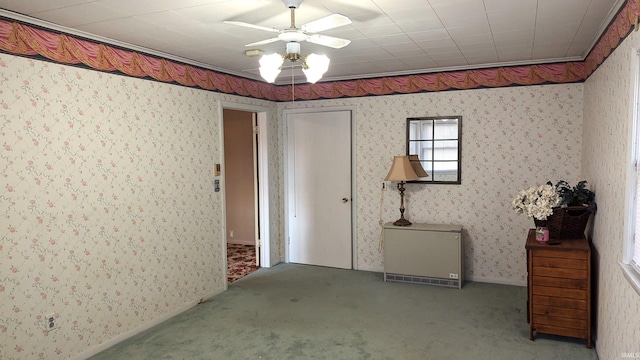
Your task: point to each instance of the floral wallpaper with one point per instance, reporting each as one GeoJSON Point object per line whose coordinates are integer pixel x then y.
{"type": "Point", "coordinates": [607, 128]}
{"type": "Point", "coordinates": [511, 138]}
{"type": "Point", "coordinates": [109, 216]}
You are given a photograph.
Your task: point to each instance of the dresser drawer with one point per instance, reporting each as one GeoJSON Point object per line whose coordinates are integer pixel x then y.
{"type": "Point", "coordinates": [559, 302]}
{"type": "Point", "coordinates": [554, 262]}
{"type": "Point", "coordinates": [562, 331]}
{"type": "Point", "coordinates": [559, 282]}
{"type": "Point", "coordinates": [559, 273]}
{"type": "Point", "coordinates": [559, 321]}
{"type": "Point", "coordinates": [554, 253]}
{"type": "Point", "coordinates": [559, 292]}
{"type": "Point", "coordinates": [559, 312]}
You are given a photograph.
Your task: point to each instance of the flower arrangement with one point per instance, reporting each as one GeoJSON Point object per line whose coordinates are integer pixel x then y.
{"type": "Point", "coordinates": [537, 201]}
{"type": "Point", "coordinates": [563, 209]}
{"type": "Point", "coordinates": [577, 195]}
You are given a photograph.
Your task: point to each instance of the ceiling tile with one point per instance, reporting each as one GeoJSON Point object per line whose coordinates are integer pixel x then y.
{"type": "Point", "coordinates": [390, 5]}
{"type": "Point", "coordinates": [418, 63]}
{"type": "Point", "coordinates": [92, 12]}
{"type": "Point", "coordinates": [391, 66]}
{"type": "Point", "coordinates": [404, 51]}
{"type": "Point", "coordinates": [430, 35]}
{"type": "Point", "coordinates": [424, 13]}
{"type": "Point", "coordinates": [452, 62]}
{"type": "Point", "coordinates": [473, 39]}
{"type": "Point", "coordinates": [468, 30]}
{"type": "Point", "coordinates": [123, 29]}
{"type": "Point", "coordinates": [550, 51]}
{"type": "Point", "coordinates": [460, 13]}
{"type": "Point", "coordinates": [32, 7]}
{"type": "Point", "coordinates": [482, 59]}
{"type": "Point", "coordinates": [392, 39]}
{"type": "Point", "coordinates": [409, 26]}
{"type": "Point", "coordinates": [445, 55]}
{"type": "Point", "coordinates": [146, 6]}
{"type": "Point", "coordinates": [381, 30]}
{"type": "Point", "coordinates": [509, 15]}
{"type": "Point", "coordinates": [437, 44]}
{"type": "Point", "coordinates": [479, 48]}
{"type": "Point", "coordinates": [515, 37]}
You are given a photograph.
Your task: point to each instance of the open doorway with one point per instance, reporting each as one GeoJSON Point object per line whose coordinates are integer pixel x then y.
{"type": "Point", "coordinates": [243, 198]}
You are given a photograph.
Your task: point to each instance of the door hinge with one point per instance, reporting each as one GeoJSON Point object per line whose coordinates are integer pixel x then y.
{"type": "Point", "coordinates": [256, 129]}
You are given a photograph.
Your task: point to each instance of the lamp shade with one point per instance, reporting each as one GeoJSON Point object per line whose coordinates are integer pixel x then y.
{"type": "Point", "coordinates": [270, 66]}
{"type": "Point", "coordinates": [401, 170]}
{"type": "Point", "coordinates": [315, 66]}
{"type": "Point", "coordinates": [417, 167]}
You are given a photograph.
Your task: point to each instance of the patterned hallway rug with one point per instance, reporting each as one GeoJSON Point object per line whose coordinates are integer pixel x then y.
{"type": "Point", "coordinates": [241, 261]}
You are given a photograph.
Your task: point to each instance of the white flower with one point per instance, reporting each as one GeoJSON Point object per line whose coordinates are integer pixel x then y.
{"type": "Point", "coordinates": [536, 202]}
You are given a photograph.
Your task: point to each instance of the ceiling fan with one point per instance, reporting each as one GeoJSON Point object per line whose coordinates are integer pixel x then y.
{"type": "Point", "coordinates": [307, 32]}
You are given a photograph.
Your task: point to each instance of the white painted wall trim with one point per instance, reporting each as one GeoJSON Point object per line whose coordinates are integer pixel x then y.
{"type": "Point", "coordinates": [630, 274]}
{"type": "Point", "coordinates": [263, 186]}
{"type": "Point", "coordinates": [263, 173]}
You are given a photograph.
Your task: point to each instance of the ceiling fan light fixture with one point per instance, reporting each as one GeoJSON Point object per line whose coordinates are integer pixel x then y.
{"type": "Point", "coordinates": [293, 48]}
{"type": "Point", "coordinates": [270, 66]}
{"type": "Point", "coordinates": [315, 66]}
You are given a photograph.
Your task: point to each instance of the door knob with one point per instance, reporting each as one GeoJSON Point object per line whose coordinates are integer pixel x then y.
{"type": "Point", "coordinates": [344, 200]}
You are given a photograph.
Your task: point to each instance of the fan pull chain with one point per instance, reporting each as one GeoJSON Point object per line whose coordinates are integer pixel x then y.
{"type": "Point", "coordinates": [293, 88]}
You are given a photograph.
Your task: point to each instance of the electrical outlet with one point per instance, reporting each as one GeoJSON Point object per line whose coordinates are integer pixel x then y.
{"type": "Point", "coordinates": [231, 234]}
{"type": "Point", "coordinates": [51, 322]}
{"type": "Point", "coordinates": [453, 276]}
{"type": "Point", "coordinates": [384, 186]}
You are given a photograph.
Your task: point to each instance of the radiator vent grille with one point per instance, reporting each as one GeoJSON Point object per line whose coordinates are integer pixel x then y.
{"type": "Point", "coordinates": [411, 279]}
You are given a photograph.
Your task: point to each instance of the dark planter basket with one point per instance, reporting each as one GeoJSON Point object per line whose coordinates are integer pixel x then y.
{"type": "Point", "coordinates": [566, 222]}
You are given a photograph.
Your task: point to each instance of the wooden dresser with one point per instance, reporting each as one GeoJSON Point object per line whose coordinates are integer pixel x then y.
{"type": "Point", "coordinates": [559, 287]}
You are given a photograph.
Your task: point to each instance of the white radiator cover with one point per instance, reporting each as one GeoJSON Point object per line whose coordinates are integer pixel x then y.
{"type": "Point", "coordinates": [424, 254]}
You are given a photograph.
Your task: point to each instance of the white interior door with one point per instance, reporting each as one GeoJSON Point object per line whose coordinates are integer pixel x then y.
{"type": "Point", "coordinates": [319, 191]}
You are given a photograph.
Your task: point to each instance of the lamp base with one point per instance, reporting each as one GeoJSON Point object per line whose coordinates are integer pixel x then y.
{"type": "Point", "coordinates": [402, 222]}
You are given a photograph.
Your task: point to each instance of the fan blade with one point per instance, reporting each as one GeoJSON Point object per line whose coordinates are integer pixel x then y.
{"type": "Point", "coordinates": [329, 41]}
{"type": "Point", "coordinates": [240, 23]}
{"type": "Point", "coordinates": [268, 41]}
{"type": "Point", "coordinates": [326, 23]}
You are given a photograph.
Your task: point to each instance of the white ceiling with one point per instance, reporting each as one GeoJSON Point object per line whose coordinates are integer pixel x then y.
{"type": "Point", "coordinates": [389, 37]}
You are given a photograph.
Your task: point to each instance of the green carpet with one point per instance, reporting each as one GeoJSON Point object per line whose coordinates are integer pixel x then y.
{"type": "Point", "coordinates": [307, 312]}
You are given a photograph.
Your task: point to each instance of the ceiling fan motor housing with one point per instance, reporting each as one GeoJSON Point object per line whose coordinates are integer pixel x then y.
{"type": "Point", "coordinates": [292, 35]}
{"type": "Point", "coordinates": [292, 4]}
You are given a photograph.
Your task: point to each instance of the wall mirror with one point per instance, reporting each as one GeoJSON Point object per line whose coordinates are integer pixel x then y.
{"type": "Point", "coordinates": [436, 141]}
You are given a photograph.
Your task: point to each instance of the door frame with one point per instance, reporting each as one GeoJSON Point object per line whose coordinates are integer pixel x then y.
{"type": "Point", "coordinates": [263, 182]}
{"type": "Point", "coordinates": [288, 165]}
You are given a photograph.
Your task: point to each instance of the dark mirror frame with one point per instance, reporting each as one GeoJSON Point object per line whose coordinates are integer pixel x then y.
{"type": "Point", "coordinates": [432, 161]}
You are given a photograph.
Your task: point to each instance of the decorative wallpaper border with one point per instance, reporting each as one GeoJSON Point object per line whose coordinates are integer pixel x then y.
{"type": "Point", "coordinates": [22, 39]}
